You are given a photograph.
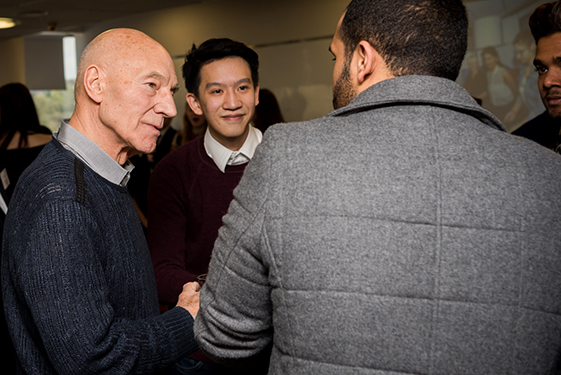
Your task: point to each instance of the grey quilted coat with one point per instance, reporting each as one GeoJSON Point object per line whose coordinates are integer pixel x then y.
{"type": "Point", "coordinates": [406, 233]}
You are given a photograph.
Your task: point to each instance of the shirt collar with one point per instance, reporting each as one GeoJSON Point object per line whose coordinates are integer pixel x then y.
{"type": "Point", "coordinates": [222, 155]}
{"type": "Point", "coordinates": [93, 156]}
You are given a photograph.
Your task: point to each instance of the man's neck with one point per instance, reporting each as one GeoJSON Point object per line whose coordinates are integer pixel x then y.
{"type": "Point", "coordinates": [99, 134]}
{"type": "Point", "coordinates": [234, 143]}
{"type": "Point", "coordinates": [221, 154]}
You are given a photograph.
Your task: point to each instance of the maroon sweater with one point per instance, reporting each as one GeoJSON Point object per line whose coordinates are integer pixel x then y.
{"type": "Point", "coordinates": [187, 197]}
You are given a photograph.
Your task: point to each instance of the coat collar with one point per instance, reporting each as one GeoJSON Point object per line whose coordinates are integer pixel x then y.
{"type": "Point", "coordinates": [419, 90]}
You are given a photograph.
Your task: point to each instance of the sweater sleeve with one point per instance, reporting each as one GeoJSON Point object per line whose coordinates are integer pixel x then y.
{"type": "Point", "coordinates": [62, 278]}
{"type": "Point", "coordinates": [167, 226]}
{"type": "Point", "coordinates": [234, 324]}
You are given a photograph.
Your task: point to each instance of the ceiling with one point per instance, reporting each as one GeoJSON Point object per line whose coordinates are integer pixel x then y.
{"type": "Point", "coordinates": [73, 15]}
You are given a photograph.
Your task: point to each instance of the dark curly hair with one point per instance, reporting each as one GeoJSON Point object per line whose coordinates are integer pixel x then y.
{"type": "Point", "coordinates": [17, 114]}
{"type": "Point", "coordinates": [546, 20]}
{"type": "Point", "coordinates": [414, 37]}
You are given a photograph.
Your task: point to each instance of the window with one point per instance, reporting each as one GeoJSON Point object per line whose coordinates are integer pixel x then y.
{"type": "Point", "coordinates": [56, 105]}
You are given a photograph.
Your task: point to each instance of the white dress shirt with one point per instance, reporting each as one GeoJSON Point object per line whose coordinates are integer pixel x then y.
{"type": "Point", "coordinates": [223, 156]}
{"type": "Point", "coordinates": [93, 156]}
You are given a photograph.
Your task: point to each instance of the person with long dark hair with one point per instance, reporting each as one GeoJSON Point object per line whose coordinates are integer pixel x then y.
{"type": "Point", "coordinates": [502, 86]}
{"type": "Point", "coordinates": [268, 111]}
{"type": "Point", "coordinates": [194, 126]}
{"type": "Point", "coordinates": [21, 139]}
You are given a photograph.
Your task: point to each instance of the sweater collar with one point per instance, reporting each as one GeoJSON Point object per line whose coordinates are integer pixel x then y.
{"type": "Point", "coordinates": [92, 155]}
{"type": "Point", "coordinates": [223, 156]}
{"type": "Point", "coordinates": [419, 90]}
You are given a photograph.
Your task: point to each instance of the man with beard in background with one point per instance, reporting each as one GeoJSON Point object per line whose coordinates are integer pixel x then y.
{"type": "Point", "coordinates": [405, 232]}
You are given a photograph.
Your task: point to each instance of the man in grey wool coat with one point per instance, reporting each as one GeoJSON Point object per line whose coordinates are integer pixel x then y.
{"type": "Point", "coordinates": [405, 232]}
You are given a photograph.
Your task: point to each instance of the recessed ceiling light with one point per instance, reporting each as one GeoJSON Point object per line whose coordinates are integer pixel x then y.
{"type": "Point", "coordinates": [6, 23]}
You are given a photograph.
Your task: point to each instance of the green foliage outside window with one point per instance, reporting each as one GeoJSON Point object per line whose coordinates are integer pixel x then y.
{"type": "Point", "coordinates": [54, 105]}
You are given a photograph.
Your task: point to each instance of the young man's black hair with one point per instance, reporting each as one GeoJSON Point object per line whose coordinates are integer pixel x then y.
{"type": "Point", "coordinates": [212, 50]}
{"type": "Point", "coordinates": [399, 34]}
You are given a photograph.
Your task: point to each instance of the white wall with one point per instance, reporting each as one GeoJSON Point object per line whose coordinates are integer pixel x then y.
{"type": "Point", "coordinates": [291, 37]}
{"type": "Point", "coordinates": [44, 54]}
{"type": "Point", "coordinates": [12, 61]}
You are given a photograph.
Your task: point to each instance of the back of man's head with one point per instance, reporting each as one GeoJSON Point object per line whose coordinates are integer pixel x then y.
{"type": "Point", "coordinates": [546, 20]}
{"type": "Point", "coordinates": [212, 50]}
{"type": "Point", "coordinates": [414, 37]}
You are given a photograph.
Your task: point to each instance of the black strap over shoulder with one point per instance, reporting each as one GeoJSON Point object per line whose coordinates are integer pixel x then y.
{"type": "Point", "coordinates": [81, 185]}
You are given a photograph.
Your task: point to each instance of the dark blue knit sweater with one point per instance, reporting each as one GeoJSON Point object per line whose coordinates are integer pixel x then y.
{"type": "Point", "coordinates": [78, 283]}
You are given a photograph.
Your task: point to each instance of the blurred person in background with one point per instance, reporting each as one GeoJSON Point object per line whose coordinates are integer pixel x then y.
{"type": "Point", "coordinates": [545, 24]}
{"type": "Point", "coordinates": [501, 85]}
{"type": "Point", "coordinates": [268, 111]}
{"type": "Point", "coordinates": [194, 126]}
{"type": "Point", "coordinates": [528, 103]}
{"type": "Point", "coordinates": [22, 138]}
{"type": "Point", "coordinates": [476, 80]}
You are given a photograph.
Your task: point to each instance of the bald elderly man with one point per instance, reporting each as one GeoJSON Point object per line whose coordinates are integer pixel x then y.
{"type": "Point", "coordinates": [79, 289]}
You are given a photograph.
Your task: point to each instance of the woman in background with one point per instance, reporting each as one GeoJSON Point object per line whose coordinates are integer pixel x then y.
{"type": "Point", "coordinates": [268, 112]}
{"type": "Point", "coordinates": [529, 102]}
{"type": "Point", "coordinates": [194, 126]}
{"type": "Point", "coordinates": [502, 86]}
{"type": "Point", "coordinates": [21, 140]}
{"type": "Point", "coordinates": [22, 137]}
{"type": "Point", "coordinates": [476, 79]}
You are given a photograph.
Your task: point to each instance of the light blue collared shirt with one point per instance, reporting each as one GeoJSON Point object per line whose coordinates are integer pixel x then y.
{"type": "Point", "coordinates": [223, 156]}
{"type": "Point", "coordinates": [93, 156]}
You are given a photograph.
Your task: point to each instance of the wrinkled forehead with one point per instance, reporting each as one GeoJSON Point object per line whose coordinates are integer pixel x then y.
{"type": "Point", "coordinates": [142, 59]}
{"type": "Point", "coordinates": [126, 46]}
{"type": "Point", "coordinates": [153, 57]}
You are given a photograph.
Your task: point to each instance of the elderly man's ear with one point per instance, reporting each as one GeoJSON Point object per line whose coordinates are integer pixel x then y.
{"type": "Point", "coordinates": [93, 83]}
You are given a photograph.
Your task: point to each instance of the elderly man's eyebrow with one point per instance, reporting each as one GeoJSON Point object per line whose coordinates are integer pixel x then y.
{"type": "Point", "coordinates": [161, 77]}
{"type": "Point", "coordinates": [156, 75]}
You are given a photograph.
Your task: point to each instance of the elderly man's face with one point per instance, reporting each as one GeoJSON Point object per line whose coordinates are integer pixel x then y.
{"type": "Point", "coordinates": [139, 96]}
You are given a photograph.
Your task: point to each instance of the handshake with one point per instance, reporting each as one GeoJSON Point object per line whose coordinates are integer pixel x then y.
{"type": "Point", "coordinates": [189, 297]}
